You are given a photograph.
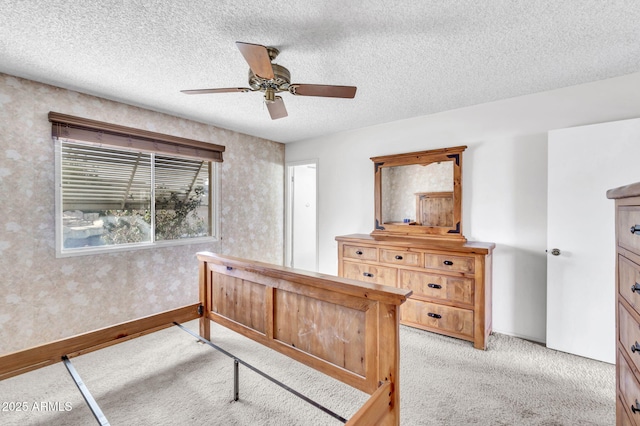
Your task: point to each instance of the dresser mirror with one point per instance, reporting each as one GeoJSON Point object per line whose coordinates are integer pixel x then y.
{"type": "Point", "coordinates": [419, 194]}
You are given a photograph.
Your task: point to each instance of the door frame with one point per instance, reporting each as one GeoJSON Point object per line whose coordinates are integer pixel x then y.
{"type": "Point", "coordinates": [288, 216]}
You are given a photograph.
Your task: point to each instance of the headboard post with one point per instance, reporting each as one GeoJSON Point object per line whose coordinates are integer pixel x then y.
{"type": "Point", "coordinates": [389, 362]}
{"type": "Point", "coordinates": [205, 324]}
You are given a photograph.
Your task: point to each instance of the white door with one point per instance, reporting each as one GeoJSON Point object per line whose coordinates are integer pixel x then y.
{"type": "Point", "coordinates": [302, 233]}
{"type": "Point", "coordinates": [584, 162]}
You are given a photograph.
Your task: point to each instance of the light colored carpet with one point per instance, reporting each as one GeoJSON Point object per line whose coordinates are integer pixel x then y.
{"type": "Point", "coordinates": [167, 378]}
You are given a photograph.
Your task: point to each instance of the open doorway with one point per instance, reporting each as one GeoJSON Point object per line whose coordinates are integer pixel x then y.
{"type": "Point", "coordinates": [301, 238]}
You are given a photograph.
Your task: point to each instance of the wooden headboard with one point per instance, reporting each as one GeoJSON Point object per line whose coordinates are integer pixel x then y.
{"type": "Point", "coordinates": [344, 328]}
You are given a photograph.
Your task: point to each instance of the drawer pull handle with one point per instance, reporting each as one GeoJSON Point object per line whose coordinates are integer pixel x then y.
{"type": "Point", "coordinates": [448, 262]}
{"type": "Point", "coordinates": [367, 274]}
{"type": "Point", "coordinates": [436, 316]}
{"type": "Point", "coordinates": [398, 257]}
{"type": "Point", "coordinates": [359, 253]}
{"type": "Point", "coordinates": [635, 229]}
{"type": "Point", "coordinates": [635, 347]}
{"type": "Point", "coordinates": [635, 287]}
{"type": "Point", "coordinates": [634, 407]}
{"type": "Point", "coordinates": [434, 285]}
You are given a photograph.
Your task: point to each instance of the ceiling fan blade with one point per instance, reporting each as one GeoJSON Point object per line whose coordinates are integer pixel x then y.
{"type": "Point", "coordinates": [277, 109]}
{"type": "Point", "coordinates": [258, 59]}
{"type": "Point", "coordinates": [323, 90]}
{"type": "Point", "coordinates": [226, 90]}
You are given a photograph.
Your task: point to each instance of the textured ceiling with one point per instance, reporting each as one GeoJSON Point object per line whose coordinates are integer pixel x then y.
{"type": "Point", "coordinates": [407, 58]}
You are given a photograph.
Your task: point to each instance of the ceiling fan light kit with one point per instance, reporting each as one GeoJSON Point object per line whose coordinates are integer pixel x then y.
{"type": "Point", "coordinates": [270, 78]}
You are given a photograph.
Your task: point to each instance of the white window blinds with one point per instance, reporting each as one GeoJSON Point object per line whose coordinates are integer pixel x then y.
{"type": "Point", "coordinates": [96, 178]}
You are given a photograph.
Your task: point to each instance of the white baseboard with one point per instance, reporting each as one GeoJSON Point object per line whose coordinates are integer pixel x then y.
{"type": "Point", "coordinates": [521, 336]}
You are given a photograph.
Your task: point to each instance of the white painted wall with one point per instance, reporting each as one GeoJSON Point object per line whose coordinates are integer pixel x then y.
{"type": "Point", "coordinates": [504, 181]}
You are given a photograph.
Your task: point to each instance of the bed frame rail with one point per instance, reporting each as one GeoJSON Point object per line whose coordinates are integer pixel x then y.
{"type": "Point", "coordinates": [36, 357]}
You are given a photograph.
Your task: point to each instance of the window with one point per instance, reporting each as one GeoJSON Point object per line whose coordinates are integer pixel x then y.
{"type": "Point", "coordinates": [118, 194]}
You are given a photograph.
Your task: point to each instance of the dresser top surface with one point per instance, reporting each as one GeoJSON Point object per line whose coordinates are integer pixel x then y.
{"type": "Point", "coordinates": [467, 247]}
{"type": "Point", "coordinates": [632, 190]}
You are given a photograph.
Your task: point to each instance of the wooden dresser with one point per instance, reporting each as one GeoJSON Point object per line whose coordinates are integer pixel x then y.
{"type": "Point", "coordinates": [627, 303]}
{"type": "Point", "coordinates": [451, 282]}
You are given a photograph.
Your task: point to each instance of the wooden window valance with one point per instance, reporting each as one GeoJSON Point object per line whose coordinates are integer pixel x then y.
{"type": "Point", "coordinates": [101, 133]}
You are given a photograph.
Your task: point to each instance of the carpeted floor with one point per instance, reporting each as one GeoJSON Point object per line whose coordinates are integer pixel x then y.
{"type": "Point", "coordinates": [168, 378]}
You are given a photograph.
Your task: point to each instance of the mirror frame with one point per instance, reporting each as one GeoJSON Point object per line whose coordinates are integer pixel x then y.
{"type": "Point", "coordinates": [453, 234]}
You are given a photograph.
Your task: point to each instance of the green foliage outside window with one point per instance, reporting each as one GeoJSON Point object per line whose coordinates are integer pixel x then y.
{"type": "Point", "coordinates": [176, 218]}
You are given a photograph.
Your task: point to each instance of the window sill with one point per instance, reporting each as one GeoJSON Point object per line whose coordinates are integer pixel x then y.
{"type": "Point", "coordinates": [88, 251]}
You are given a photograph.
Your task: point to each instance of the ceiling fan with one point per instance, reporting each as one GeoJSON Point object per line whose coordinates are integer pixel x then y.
{"type": "Point", "coordinates": [270, 78]}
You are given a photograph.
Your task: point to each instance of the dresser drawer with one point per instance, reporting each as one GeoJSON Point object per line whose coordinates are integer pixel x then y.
{"type": "Point", "coordinates": [370, 273]}
{"type": "Point", "coordinates": [629, 216]}
{"type": "Point", "coordinates": [629, 334]}
{"type": "Point", "coordinates": [448, 319]}
{"type": "Point", "coordinates": [453, 289]}
{"type": "Point", "coordinates": [622, 417]}
{"type": "Point", "coordinates": [450, 263]}
{"type": "Point", "coordinates": [359, 252]}
{"type": "Point", "coordinates": [400, 257]}
{"type": "Point", "coordinates": [629, 386]}
{"type": "Point", "coordinates": [628, 277]}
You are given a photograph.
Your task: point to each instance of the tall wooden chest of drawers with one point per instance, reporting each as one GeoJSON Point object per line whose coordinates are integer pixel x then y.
{"type": "Point", "coordinates": [627, 303]}
{"type": "Point", "coordinates": [451, 282]}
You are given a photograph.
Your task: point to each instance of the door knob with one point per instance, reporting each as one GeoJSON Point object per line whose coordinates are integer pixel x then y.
{"type": "Point", "coordinates": [554, 251]}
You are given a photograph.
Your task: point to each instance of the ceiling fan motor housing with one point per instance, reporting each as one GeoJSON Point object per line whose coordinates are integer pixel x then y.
{"type": "Point", "coordinates": [280, 82]}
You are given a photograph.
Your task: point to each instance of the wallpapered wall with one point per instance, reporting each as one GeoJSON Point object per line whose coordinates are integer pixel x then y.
{"type": "Point", "coordinates": [43, 298]}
